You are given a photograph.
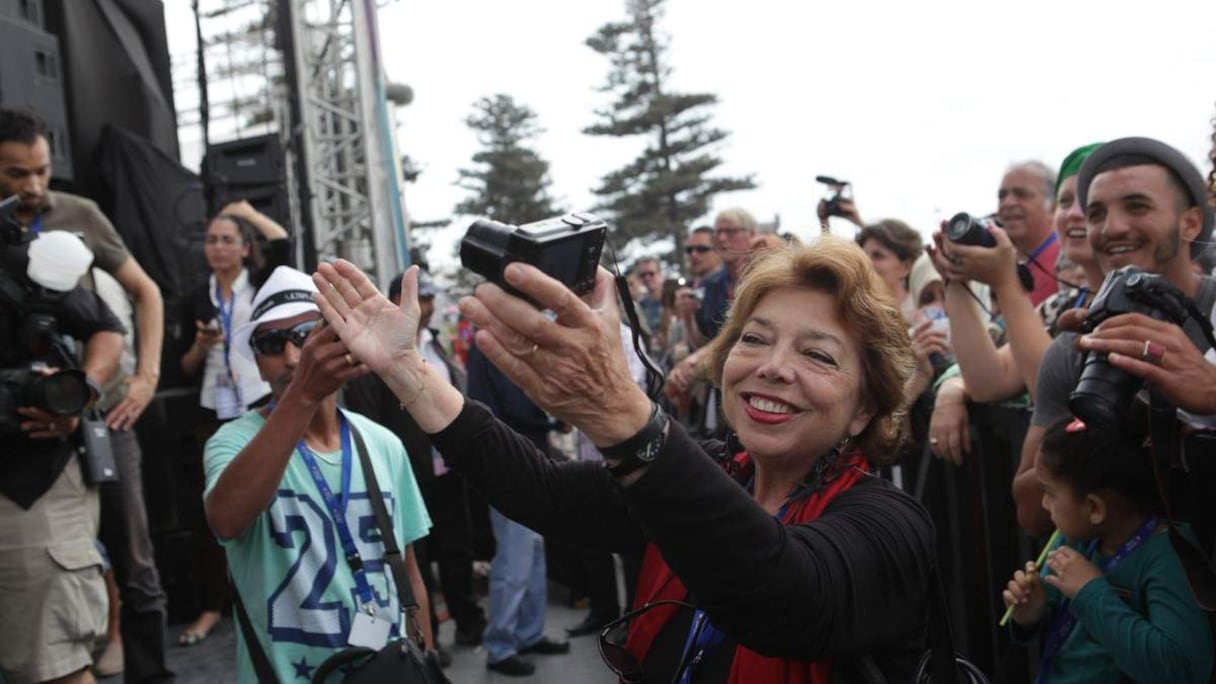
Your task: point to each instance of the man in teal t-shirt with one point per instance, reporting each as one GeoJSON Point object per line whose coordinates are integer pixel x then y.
{"type": "Point", "coordinates": [285, 489]}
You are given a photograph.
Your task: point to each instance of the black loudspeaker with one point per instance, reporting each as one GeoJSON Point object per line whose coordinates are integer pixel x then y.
{"type": "Point", "coordinates": [31, 79]}
{"type": "Point", "coordinates": [250, 161]}
{"type": "Point", "coordinates": [268, 199]}
{"type": "Point", "coordinates": [251, 169]}
{"type": "Point", "coordinates": [116, 73]}
{"type": "Point", "coordinates": [29, 11]}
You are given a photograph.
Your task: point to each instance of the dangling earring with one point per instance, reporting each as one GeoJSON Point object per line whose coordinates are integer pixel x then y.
{"type": "Point", "coordinates": [842, 445]}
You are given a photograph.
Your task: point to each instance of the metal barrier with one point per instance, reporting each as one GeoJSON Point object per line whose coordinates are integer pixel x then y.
{"type": "Point", "coordinates": [979, 543]}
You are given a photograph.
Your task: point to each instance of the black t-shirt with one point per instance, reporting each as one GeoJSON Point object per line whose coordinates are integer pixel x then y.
{"type": "Point", "coordinates": [28, 467]}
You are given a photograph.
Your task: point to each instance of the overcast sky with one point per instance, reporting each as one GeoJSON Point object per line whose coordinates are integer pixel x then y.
{"type": "Point", "coordinates": [920, 104]}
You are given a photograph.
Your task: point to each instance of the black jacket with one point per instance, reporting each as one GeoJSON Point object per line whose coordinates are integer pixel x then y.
{"type": "Point", "coordinates": [852, 582]}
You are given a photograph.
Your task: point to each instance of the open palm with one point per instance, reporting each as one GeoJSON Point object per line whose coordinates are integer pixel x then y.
{"type": "Point", "coordinates": [376, 331]}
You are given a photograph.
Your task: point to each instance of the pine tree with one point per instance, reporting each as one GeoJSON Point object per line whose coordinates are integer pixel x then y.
{"type": "Point", "coordinates": [669, 184]}
{"type": "Point", "coordinates": [512, 183]}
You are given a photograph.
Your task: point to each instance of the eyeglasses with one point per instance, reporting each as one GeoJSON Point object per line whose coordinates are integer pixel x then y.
{"type": "Point", "coordinates": [621, 662]}
{"type": "Point", "coordinates": [222, 239]}
{"type": "Point", "coordinates": [273, 342]}
{"type": "Point", "coordinates": [647, 274]}
{"type": "Point", "coordinates": [699, 249]}
{"type": "Point", "coordinates": [728, 230]}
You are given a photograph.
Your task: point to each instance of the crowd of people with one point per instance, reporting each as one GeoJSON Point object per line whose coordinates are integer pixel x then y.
{"type": "Point", "coordinates": [758, 497]}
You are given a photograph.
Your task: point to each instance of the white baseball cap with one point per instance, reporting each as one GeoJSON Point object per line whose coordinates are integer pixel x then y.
{"type": "Point", "coordinates": [285, 294]}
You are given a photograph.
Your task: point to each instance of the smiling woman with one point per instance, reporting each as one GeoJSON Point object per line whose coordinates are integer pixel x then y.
{"type": "Point", "coordinates": [773, 557]}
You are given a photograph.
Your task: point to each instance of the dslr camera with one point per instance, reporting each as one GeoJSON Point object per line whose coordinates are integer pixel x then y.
{"type": "Point", "coordinates": [566, 248]}
{"type": "Point", "coordinates": [1104, 393]}
{"type": "Point", "coordinates": [65, 393]}
{"type": "Point", "coordinates": [965, 229]}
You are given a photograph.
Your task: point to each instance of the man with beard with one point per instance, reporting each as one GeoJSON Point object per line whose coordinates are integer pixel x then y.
{"type": "Point", "coordinates": [1145, 206]}
{"type": "Point", "coordinates": [25, 170]}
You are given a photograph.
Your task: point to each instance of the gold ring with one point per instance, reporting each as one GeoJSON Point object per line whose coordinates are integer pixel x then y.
{"type": "Point", "coordinates": [350, 360]}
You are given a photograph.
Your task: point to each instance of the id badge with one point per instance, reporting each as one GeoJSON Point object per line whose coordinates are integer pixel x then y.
{"type": "Point", "coordinates": [369, 630]}
{"type": "Point", "coordinates": [227, 402]}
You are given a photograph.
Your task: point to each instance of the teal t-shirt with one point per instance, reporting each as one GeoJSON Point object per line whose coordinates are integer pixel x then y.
{"type": "Point", "coordinates": [1138, 623]}
{"type": "Point", "coordinates": [288, 566]}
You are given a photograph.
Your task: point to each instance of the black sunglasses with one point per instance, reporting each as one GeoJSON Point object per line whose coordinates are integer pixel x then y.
{"type": "Point", "coordinates": [621, 662]}
{"type": "Point", "coordinates": [273, 342]}
{"type": "Point", "coordinates": [699, 249]}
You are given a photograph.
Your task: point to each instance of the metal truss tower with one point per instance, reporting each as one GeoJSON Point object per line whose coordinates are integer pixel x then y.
{"type": "Point", "coordinates": [341, 131]}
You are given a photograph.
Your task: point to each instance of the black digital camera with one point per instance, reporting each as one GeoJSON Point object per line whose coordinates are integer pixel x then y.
{"type": "Point", "coordinates": [566, 248]}
{"type": "Point", "coordinates": [1104, 393]}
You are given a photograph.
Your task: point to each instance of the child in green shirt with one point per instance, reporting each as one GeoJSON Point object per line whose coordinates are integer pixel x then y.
{"type": "Point", "coordinates": [1116, 604]}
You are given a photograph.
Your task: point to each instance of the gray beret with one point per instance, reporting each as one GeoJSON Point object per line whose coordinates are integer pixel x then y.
{"type": "Point", "coordinates": [1163, 154]}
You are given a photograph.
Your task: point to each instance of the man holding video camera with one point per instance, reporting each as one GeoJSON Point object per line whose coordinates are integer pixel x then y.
{"type": "Point", "coordinates": [25, 171]}
{"type": "Point", "coordinates": [52, 597]}
{"type": "Point", "coordinates": [1145, 206]}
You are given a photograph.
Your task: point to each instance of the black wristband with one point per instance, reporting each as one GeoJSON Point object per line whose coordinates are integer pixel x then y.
{"type": "Point", "coordinates": [641, 449]}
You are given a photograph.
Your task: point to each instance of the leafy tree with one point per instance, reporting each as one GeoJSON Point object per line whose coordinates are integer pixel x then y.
{"type": "Point", "coordinates": [512, 182]}
{"type": "Point", "coordinates": [670, 183]}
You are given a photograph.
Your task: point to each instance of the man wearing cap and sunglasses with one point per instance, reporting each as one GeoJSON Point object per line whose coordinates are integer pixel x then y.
{"type": "Point", "coordinates": [287, 497]}
{"type": "Point", "coordinates": [1146, 205]}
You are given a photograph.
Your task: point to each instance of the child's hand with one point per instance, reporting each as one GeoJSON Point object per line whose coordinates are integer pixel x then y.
{"type": "Point", "coordinates": [1026, 594]}
{"type": "Point", "coordinates": [1072, 571]}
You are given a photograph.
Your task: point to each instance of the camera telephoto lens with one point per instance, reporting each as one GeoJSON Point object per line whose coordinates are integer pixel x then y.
{"type": "Point", "coordinates": [964, 230]}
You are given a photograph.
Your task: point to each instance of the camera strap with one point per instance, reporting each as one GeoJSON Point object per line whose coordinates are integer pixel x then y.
{"type": "Point", "coordinates": [1167, 456]}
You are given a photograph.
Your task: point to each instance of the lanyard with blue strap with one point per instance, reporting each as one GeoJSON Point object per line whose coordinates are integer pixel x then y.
{"type": "Point", "coordinates": [1051, 240]}
{"type": "Point", "coordinates": [224, 309]}
{"type": "Point", "coordinates": [703, 637]}
{"type": "Point", "coordinates": [1065, 620]}
{"type": "Point", "coordinates": [337, 511]}
{"type": "Point", "coordinates": [36, 226]}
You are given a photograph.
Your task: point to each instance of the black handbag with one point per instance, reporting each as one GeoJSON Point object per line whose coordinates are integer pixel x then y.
{"type": "Point", "coordinates": [403, 661]}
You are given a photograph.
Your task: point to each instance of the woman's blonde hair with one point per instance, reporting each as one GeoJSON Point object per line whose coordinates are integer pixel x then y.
{"type": "Point", "coordinates": [837, 267]}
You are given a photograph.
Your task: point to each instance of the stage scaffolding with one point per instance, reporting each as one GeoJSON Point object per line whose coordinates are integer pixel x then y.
{"type": "Point", "coordinates": [311, 71]}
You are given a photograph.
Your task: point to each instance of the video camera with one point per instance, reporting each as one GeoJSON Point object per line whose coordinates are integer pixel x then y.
{"type": "Point", "coordinates": [840, 190]}
{"type": "Point", "coordinates": [1104, 393]}
{"type": "Point", "coordinates": [565, 247]}
{"type": "Point", "coordinates": [66, 392]}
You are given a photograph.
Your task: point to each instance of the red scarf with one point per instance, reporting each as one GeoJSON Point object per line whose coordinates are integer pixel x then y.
{"type": "Point", "coordinates": [656, 582]}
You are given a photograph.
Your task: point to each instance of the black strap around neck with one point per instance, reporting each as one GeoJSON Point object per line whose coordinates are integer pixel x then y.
{"type": "Point", "coordinates": [392, 552]}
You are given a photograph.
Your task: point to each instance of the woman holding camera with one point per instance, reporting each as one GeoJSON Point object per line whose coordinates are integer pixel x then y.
{"type": "Point", "coordinates": [777, 558]}
{"type": "Point", "coordinates": [230, 383]}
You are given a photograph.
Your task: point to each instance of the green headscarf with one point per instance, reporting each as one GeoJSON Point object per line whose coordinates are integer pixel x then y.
{"type": "Point", "coordinates": [1072, 163]}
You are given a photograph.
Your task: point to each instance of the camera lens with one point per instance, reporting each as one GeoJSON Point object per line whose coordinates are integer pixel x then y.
{"type": "Point", "coordinates": [65, 393]}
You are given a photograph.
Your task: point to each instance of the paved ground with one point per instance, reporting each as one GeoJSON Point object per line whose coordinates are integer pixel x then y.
{"type": "Point", "coordinates": [212, 660]}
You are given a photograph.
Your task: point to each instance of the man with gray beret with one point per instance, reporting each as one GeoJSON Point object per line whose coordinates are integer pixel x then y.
{"type": "Point", "coordinates": [1146, 205]}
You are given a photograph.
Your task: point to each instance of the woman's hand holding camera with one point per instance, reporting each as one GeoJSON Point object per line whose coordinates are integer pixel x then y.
{"type": "Point", "coordinates": [993, 266]}
{"type": "Point", "coordinates": [573, 365]}
{"type": "Point", "coordinates": [1025, 593]}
